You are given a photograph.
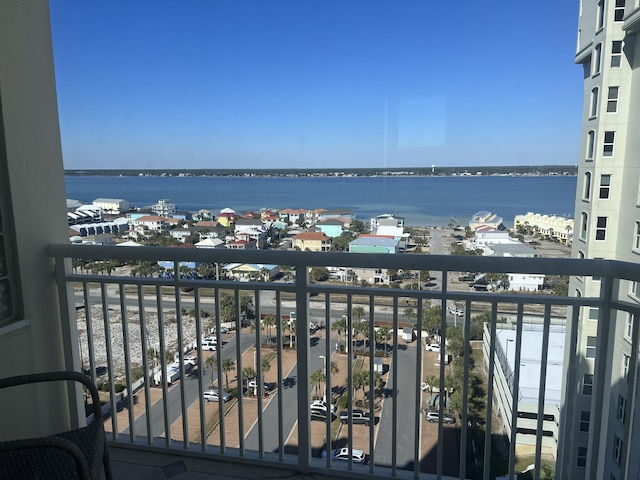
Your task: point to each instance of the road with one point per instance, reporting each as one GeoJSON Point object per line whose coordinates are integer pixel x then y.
{"type": "Point", "coordinates": [405, 395]}
{"type": "Point", "coordinates": [271, 441]}
{"type": "Point", "coordinates": [191, 392]}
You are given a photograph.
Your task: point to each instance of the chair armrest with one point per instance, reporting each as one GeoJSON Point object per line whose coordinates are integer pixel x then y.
{"type": "Point", "coordinates": [36, 444]}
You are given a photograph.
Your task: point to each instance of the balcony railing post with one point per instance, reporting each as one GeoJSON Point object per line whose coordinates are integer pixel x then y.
{"type": "Point", "coordinates": [302, 357]}
{"type": "Point", "coordinates": [601, 374]}
{"type": "Point", "coordinates": [70, 342]}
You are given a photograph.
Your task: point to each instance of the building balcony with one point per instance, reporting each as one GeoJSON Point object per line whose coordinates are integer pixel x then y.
{"type": "Point", "coordinates": [125, 331]}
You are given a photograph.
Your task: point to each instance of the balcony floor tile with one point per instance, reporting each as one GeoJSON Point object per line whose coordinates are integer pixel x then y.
{"type": "Point", "coordinates": [129, 464]}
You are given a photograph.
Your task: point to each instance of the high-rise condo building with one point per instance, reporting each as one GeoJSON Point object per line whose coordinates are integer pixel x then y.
{"type": "Point", "coordinates": [607, 226]}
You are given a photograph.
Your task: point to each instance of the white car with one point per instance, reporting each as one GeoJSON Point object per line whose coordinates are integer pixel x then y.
{"type": "Point", "coordinates": [212, 396]}
{"type": "Point", "coordinates": [322, 405]}
{"type": "Point", "coordinates": [432, 347]}
{"type": "Point", "coordinates": [209, 346]}
{"type": "Point", "coordinates": [357, 456]}
{"type": "Point", "coordinates": [456, 312]}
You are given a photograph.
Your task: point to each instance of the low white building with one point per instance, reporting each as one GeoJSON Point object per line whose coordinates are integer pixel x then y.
{"type": "Point", "coordinates": [485, 218]}
{"type": "Point", "coordinates": [529, 383]}
{"type": "Point", "coordinates": [112, 206]}
{"type": "Point", "coordinates": [387, 220]}
{"type": "Point", "coordinates": [551, 226]}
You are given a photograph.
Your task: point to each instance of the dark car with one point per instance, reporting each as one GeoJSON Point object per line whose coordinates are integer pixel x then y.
{"type": "Point", "coordinates": [357, 416]}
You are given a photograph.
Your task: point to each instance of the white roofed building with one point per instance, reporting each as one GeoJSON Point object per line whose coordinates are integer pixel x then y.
{"type": "Point", "coordinates": [112, 206]}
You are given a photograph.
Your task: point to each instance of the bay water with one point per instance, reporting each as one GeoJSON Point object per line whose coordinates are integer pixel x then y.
{"type": "Point", "coordinates": [421, 200]}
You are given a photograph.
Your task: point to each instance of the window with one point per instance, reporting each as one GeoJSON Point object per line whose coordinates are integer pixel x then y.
{"type": "Point", "coordinates": [587, 186]}
{"type": "Point", "coordinates": [605, 184]}
{"type": "Point", "coordinates": [593, 313]}
{"type": "Point", "coordinates": [617, 448]}
{"type": "Point", "coordinates": [612, 100]}
{"type": "Point", "coordinates": [609, 140]}
{"type": "Point", "coordinates": [628, 331]}
{"type": "Point", "coordinates": [583, 226]}
{"type": "Point", "coordinates": [584, 421]}
{"type": "Point", "coordinates": [622, 403]}
{"type": "Point", "coordinates": [594, 103]}
{"type": "Point", "coordinates": [597, 59]}
{"type": "Point", "coordinates": [587, 384]}
{"type": "Point", "coordinates": [616, 53]}
{"type": "Point", "coordinates": [600, 15]}
{"type": "Point", "coordinates": [591, 347]}
{"type": "Point", "coordinates": [582, 457]}
{"type": "Point", "coordinates": [618, 11]}
{"type": "Point", "coordinates": [635, 289]}
{"type": "Point", "coordinates": [601, 228]}
{"type": "Point", "coordinates": [636, 240]}
{"type": "Point", "coordinates": [591, 143]}
{"type": "Point", "coordinates": [626, 359]}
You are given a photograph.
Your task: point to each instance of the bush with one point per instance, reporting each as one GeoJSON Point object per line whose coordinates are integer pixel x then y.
{"type": "Point", "coordinates": [344, 401]}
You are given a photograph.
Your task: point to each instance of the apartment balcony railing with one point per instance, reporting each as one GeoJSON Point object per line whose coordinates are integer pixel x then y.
{"type": "Point", "coordinates": [126, 329]}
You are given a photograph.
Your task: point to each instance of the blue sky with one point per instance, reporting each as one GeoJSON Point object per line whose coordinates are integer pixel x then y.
{"type": "Point", "coordinates": [316, 84]}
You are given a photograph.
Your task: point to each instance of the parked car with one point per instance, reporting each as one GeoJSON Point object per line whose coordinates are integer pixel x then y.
{"type": "Point", "coordinates": [456, 312]}
{"type": "Point", "coordinates": [318, 413]}
{"type": "Point", "coordinates": [432, 347]}
{"type": "Point", "coordinates": [357, 417]}
{"type": "Point", "coordinates": [211, 346]}
{"type": "Point", "coordinates": [213, 396]}
{"type": "Point", "coordinates": [433, 416]}
{"type": "Point", "coordinates": [322, 405]}
{"type": "Point", "coordinates": [357, 456]}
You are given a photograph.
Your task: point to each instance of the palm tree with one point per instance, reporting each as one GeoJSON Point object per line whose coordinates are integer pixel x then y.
{"type": "Point", "coordinates": [316, 378]}
{"type": "Point", "coordinates": [360, 380]}
{"type": "Point", "coordinates": [291, 326]}
{"type": "Point", "coordinates": [357, 313]}
{"type": "Point", "coordinates": [212, 362]}
{"type": "Point", "coordinates": [227, 366]}
{"type": "Point", "coordinates": [268, 322]}
{"type": "Point", "coordinates": [431, 381]}
{"type": "Point", "coordinates": [340, 326]}
{"type": "Point", "coordinates": [248, 373]}
{"type": "Point", "coordinates": [384, 333]}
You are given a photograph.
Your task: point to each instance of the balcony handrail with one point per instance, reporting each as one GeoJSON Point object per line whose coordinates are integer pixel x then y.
{"type": "Point", "coordinates": [462, 263]}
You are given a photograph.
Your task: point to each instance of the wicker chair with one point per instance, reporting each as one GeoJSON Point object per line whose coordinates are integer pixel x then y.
{"type": "Point", "coordinates": [81, 453]}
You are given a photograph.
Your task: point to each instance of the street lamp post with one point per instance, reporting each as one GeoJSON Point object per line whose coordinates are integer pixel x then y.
{"type": "Point", "coordinates": [324, 372]}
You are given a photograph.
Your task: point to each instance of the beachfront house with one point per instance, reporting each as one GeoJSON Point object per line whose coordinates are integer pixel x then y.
{"type": "Point", "coordinates": [164, 208]}
{"type": "Point", "coordinates": [312, 241]}
{"type": "Point", "coordinates": [246, 271]}
{"type": "Point", "coordinates": [484, 218]}
{"type": "Point", "coordinates": [331, 227]}
{"type": "Point", "coordinates": [386, 219]}
{"type": "Point", "coordinates": [374, 244]}
{"type": "Point", "coordinates": [112, 206]}
{"type": "Point", "coordinates": [227, 217]}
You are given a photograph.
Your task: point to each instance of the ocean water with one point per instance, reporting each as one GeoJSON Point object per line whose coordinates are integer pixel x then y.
{"type": "Point", "coordinates": [420, 200]}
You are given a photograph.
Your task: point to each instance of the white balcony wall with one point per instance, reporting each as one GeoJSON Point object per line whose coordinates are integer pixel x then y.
{"type": "Point", "coordinates": [31, 159]}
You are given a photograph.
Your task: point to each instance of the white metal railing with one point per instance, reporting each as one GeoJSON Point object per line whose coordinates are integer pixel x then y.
{"type": "Point", "coordinates": [133, 316]}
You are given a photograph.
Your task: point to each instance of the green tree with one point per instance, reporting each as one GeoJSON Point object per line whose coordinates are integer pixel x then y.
{"type": "Point", "coordinates": [341, 243]}
{"type": "Point", "coordinates": [357, 226]}
{"type": "Point", "coordinates": [383, 335]}
{"type": "Point", "coordinates": [360, 379]}
{"type": "Point", "coordinates": [320, 274]}
{"type": "Point", "coordinates": [227, 307]}
{"type": "Point", "coordinates": [247, 374]}
{"type": "Point", "coordinates": [246, 305]}
{"type": "Point", "coordinates": [290, 325]}
{"type": "Point", "coordinates": [357, 313]}
{"type": "Point", "coordinates": [340, 326]}
{"type": "Point", "coordinates": [316, 378]}
{"type": "Point", "coordinates": [431, 318]}
{"type": "Point", "coordinates": [227, 366]}
{"type": "Point", "coordinates": [409, 314]}
{"type": "Point", "coordinates": [212, 362]}
{"type": "Point", "coordinates": [268, 322]}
